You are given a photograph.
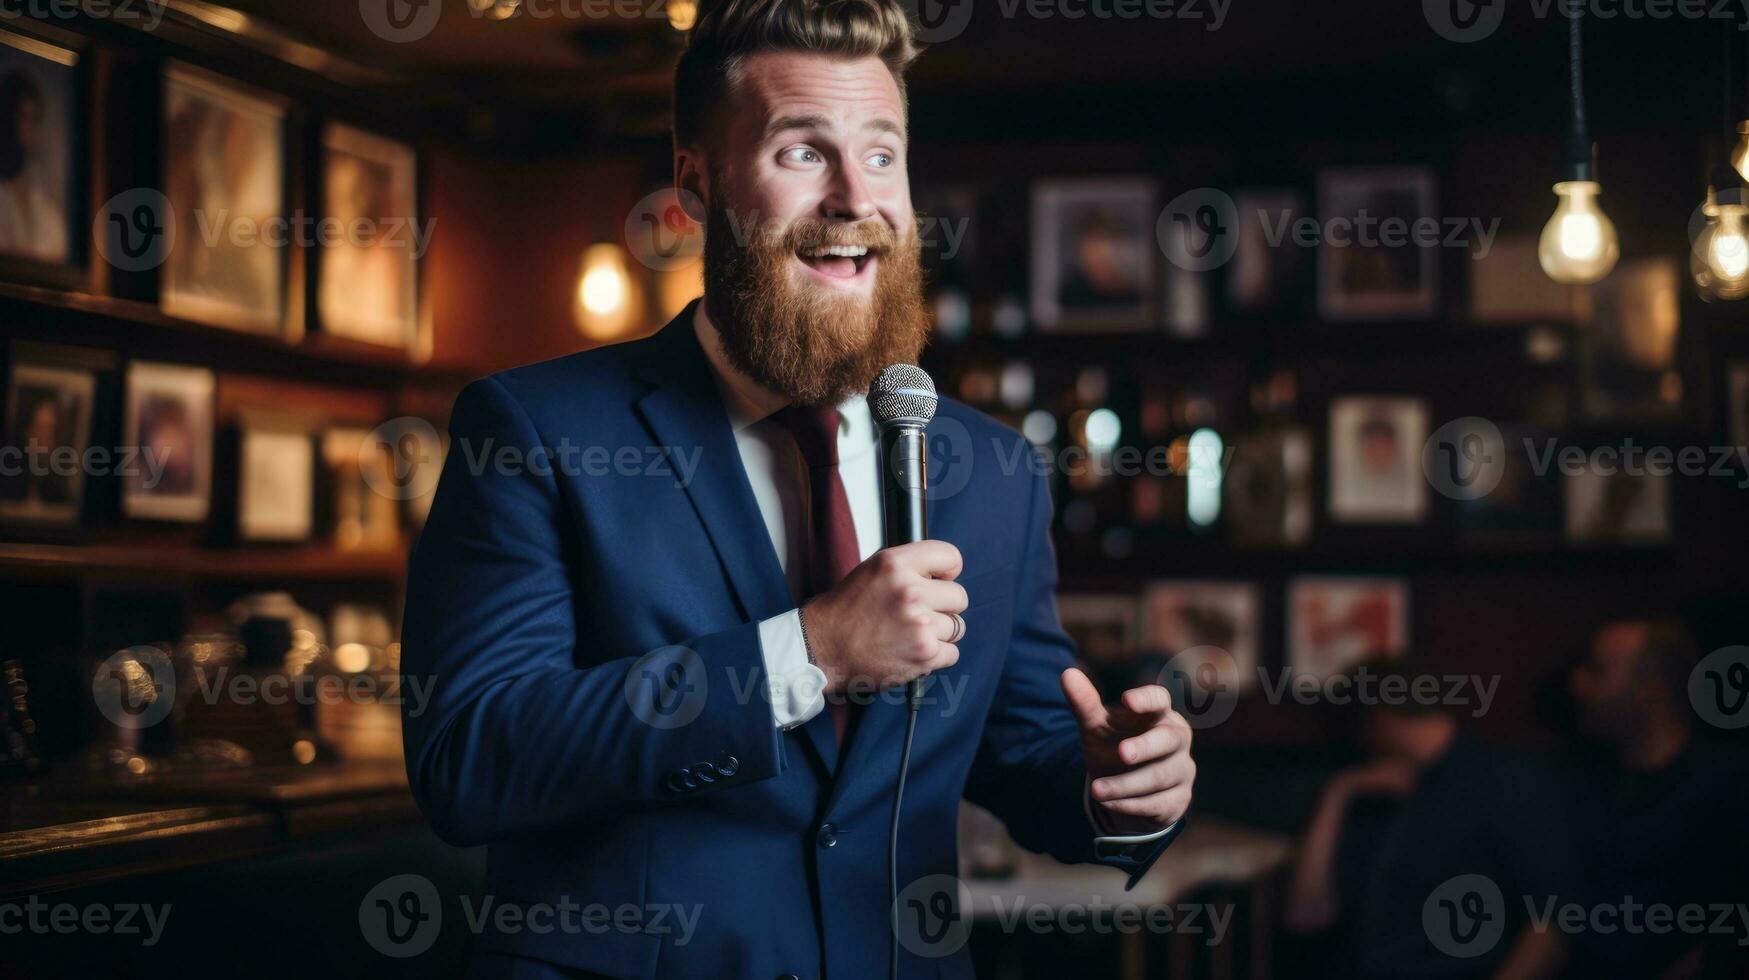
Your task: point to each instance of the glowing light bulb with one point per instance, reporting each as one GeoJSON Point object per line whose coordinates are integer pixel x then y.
{"type": "Point", "coordinates": [603, 290]}
{"type": "Point", "coordinates": [1578, 245]}
{"type": "Point", "coordinates": [1202, 500]}
{"type": "Point", "coordinates": [1720, 260]}
{"type": "Point", "coordinates": [682, 14]}
{"type": "Point", "coordinates": [1740, 154]}
{"type": "Point", "coordinates": [1102, 430]}
{"type": "Point", "coordinates": [607, 305]}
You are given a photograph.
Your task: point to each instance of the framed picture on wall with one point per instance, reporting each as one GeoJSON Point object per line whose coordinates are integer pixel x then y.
{"type": "Point", "coordinates": [948, 221]}
{"type": "Point", "coordinates": [168, 417]}
{"type": "Point", "coordinates": [276, 483]}
{"type": "Point", "coordinates": [224, 176]}
{"type": "Point", "coordinates": [1628, 356]}
{"type": "Point", "coordinates": [41, 172]}
{"type": "Point", "coordinates": [1618, 508]}
{"type": "Point", "coordinates": [1209, 630]}
{"type": "Point", "coordinates": [1337, 622]}
{"type": "Point", "coordinates": [1104, 627]}
{"type": "Point", "coordinates": [49, 408]}
{"type": "Point", "coordinates": [1268, 267]}
{"type": "Point", "coordinates": [1524, 508]}
{"type": "Point", "coordinates": [1375, 460]}
{"type": "Point", "coordinates": [1508, 286]}
{"type": "Point", "coordinates": [1370, 264]}
{"type": "Point", "coordinates": [368, 280]}
{"type": "Point", "coordinates": [1268, 489]}
{"type": "Point", "coordinates": [1093, 254]}
{"type": "Point", "coordinates": [359, 470]}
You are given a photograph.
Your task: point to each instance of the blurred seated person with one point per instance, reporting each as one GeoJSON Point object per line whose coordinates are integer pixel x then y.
{"type": "Point", "coordinates": [1662, 812]}
{"type": "Point", "coordinates": [1431, 804]}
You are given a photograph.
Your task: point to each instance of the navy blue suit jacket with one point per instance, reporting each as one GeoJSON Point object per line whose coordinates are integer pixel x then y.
{"type": "Point", "coordinates": [586, 597]}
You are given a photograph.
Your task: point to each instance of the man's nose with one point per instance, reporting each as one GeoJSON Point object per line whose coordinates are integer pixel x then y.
{"type": "Point", "coordinates": [847, 199]}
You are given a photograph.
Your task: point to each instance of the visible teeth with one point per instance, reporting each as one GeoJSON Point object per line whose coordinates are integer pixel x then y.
{"type": "Point", "coordinates": [846, 251]}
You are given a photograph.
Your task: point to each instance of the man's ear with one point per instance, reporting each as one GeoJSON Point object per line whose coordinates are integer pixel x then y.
{"type": "Point", "coordinates": [690, 170]}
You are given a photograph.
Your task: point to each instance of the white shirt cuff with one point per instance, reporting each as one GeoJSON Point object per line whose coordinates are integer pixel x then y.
{"type": "Point", "coordinates": [798, 688]}
{"type": "Point", "coordinates": [1114, 840]}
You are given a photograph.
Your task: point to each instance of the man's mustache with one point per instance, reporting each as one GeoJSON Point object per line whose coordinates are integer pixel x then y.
{"type": "Point", "coordinates": [812, 234]}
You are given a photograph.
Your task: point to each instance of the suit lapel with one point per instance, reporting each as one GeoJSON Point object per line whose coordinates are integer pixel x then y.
{"type": "Point", "coordinates": [684, 412]}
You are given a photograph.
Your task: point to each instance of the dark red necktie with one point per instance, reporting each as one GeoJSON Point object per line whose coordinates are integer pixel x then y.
{"type": "Point", "coordinates": [832, 549]}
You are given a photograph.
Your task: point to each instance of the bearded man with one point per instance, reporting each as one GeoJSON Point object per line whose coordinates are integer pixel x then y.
{"type": "Point", "coordinates": [669, 695]}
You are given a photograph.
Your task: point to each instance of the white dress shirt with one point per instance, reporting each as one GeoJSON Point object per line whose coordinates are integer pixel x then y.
{"type": "Point", "coordinates": [780, 486]}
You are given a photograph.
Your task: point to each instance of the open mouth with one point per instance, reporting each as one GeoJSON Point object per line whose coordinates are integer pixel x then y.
{"type": "Point", "coordinates": [845, 263]}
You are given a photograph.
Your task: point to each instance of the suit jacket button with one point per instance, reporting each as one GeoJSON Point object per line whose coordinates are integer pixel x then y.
{"type": "Point", "coordinates": [728, 765]}
{"type": "Point", "coordinates": [677, 781]}
{"type": "Point", "coordinates": [705, 772]}
{"type": "Point", "coordinates": [828, 835]}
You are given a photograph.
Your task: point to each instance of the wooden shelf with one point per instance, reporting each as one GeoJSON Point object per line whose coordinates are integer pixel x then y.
{"type": "Point", "coordinates": [1308, 338]}
{"type": "Point", "coordinates": [301, 562]}
{"type": "Point", "coordinates": [142, 330]}
{"type": "Point", "coordinates": [65, 833]}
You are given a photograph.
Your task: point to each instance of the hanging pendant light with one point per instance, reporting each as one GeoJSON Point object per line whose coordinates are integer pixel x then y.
{"type": "Point", "coordinates": [1740, 153]}
{"type": "Point", "coordinates": [1719, 261]}
{"type": "Point", "coordinates": [1578, 245]}
{"type": "Point", "coordinates": [1719, 258]}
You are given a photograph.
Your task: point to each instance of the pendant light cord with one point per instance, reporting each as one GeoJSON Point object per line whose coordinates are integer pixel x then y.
{"type": "Point", "coordinates": [1579, 165]}
{"type": "Point", "coordinates": [1729, 127]}
{"type": "Point", "coordinates": [1576, 65]}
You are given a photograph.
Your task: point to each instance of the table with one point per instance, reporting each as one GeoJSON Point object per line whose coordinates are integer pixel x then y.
{"type": "Point", "coordinates": [1210, 854]}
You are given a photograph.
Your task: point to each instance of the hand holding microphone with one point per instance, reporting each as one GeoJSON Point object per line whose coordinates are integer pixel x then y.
{"type": "Point", "coordinates": [894, 618]}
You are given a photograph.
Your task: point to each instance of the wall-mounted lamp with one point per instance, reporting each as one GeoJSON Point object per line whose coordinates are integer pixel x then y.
{"type": "Point", "coordinates": [608, 303]}
{"type": "Point", "coordinates": [682, 14]}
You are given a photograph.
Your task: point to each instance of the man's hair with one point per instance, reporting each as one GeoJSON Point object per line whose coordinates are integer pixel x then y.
{"type": "Point", "coordinates": [1400, 675]}
{"type": "Point", "coordinates": [727, 31]}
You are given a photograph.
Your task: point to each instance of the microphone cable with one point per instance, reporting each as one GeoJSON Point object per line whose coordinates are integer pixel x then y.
{"type": "Point", "coordinates": [914, 699]}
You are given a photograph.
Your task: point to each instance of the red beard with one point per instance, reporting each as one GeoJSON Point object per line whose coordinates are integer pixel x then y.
{"type": "Point", "coordinates": [811, 344]}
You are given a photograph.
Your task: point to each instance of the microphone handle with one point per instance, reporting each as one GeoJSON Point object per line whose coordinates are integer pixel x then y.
{"type": "Point", "coordinates": [904, 481]}
{"type": "Point", "coordinates": [904, 511]}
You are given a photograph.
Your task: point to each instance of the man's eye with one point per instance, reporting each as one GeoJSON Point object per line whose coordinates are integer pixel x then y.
{"type": "Point", "coordinates": [881, 159]}
{"type": "Point", "coordinates": [801, 154]}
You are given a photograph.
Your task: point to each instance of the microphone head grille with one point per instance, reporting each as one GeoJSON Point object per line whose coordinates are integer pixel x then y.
{"type": "Point", "coordinates": [903, 392]}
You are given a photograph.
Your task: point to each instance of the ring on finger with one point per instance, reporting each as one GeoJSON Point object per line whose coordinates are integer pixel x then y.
{"type": "Point", "coordinates": [959, 627]}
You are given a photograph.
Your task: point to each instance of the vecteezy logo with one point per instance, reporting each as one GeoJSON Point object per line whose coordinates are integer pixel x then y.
{"type": "Point", "coordinates": [1465, 458]}
{"type": "Point", "coordinates": [1718, 687]}
{"type": "Point", "coordinates": [1465, 916]}
{"type": "Point", "coordinates": [1464, 20]}
{"type": "Point", "coordinates": [939, 20]}
{"type": "Point", "coordinates": [1204, 682]}
{"type": "Point", "coordinates": [660, 231]}
{"type": "Point", "coordinates": [135, 230]}
{"type": "Point", "coordinates": [948, 460]}
{"type": "Point", "coordinates": [931, 916]}
{"type": "Point", "coordinates": [412, 447]}
{"type": "Point", "coordinates": [667, 687]}
{"type": "Point", "coordinates": [401, 21]}
{"type": "Point", "coordinates": [135, 688]}
{"type": "Point", "coordinates": [401, 916]}
{"type": "Point", "coordinates": [1199, 229]}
